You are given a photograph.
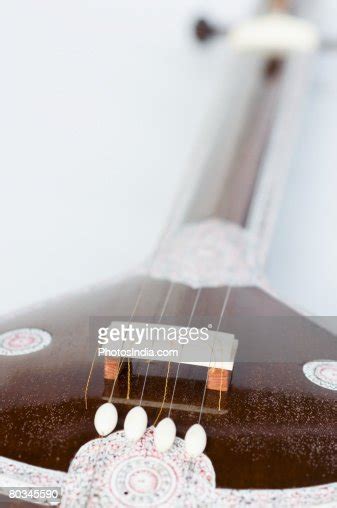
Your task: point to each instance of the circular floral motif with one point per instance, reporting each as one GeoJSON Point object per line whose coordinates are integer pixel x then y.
{"type": "Point", "coordinates": [23, 341]}
{"type": "Point", "coordinates": [322, 372]}
{"type": "Point", "coordinates": [115, 472]}
{"type": "Point", "coordinates": [140, 481]}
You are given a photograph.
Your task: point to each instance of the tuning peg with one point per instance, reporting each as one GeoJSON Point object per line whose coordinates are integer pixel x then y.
{"type": "Point", "coordinates": [135, 423]}
{"type": "Point", "coordinates": [106, 418]}
{"type": "Point", "coordinates": [274, 33]}
{"type": "Point", "coordinates": [164, 434]}
{"type": "Point", "coordinates": [205, 30]}
{"type": "Point", "coordinates": [195, 440]}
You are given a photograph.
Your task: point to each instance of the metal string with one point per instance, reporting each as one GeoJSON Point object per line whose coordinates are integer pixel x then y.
{"type": "Point", "coordinates": [88, 380]}
{"type": "Point", "coordinates": [224, 305]}
{"type": "Point", "coordinates": [168, 294]}
{"type": "Point", "coordinates": [221, 379]}
{"type": "Point", "coordinates": [141, 291]}
{"type": "Point", "coordinates": [130, 319]}
{"type": "Point", "coordinates": [178, 368]}
{"type": "Point", "coordinates": [217, 329]}
{"type": "Point", "coordinates": [119, 368]}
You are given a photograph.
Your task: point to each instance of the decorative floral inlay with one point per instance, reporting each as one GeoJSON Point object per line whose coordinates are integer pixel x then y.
{"type": "Point", "coordinates": [114, 472]}
{"type": "Point", "coordinates": [322, 372]}
{"type": "Point", "coordinates": [19, 474]}
{"type": "Point", "coordinates": [23, 341]}
{"type": "Point", "coordinates": [209, 253]}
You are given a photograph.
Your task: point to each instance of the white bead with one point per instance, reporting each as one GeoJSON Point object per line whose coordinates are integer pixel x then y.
{"type": "Point", "coordinates": [106, 418]}
{"type": "Point", "coordinates": [135, 423]}
{"type": "Point", "coordinates": [164, 434]}
{"type": "Point", "coordinates": [274, 33]}
{"type": "Point", "coordinates": [195, 440]}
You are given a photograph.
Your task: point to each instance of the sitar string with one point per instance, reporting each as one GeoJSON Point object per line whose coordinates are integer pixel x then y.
{"type": "Point", "coordinates": [141, 291]}
{"type": "Point", "coordinates": [129, 320]}
{"type": "Point", "coordinates": [88, 380]}
{"type": "Point", "coordinates": [165, 393]}
{"type": "Point", "coordinates": [221, 380]}
{"type": "Point", "coordinates": [179, 363]}
{"type": "Point", "coordinates": [217, 329]}
{"type": "Point", "coordinates": [168, 294]}
{"type": "Point", "coordinates": [224, 305]}
{"type": "Point", "coordinates": [172, 218]}
{"type": "Point", "coordinates": [129, 380]}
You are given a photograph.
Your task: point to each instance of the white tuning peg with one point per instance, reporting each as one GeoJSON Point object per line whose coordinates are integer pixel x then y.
{"type": "Point", "coordinates": [275, 33]}
{"type": "Point", "coordinates": [164, 434]}
{"type": "Point", "coordinates": [195, 440]}
{"type": "Point", "coordinates": [106, 418]}
{"type": "Point", "coordinates": [135, 423]}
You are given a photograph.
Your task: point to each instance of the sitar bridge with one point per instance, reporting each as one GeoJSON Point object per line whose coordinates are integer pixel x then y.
{"type": "Point", "coordinates": [166, 406]}
{"type": "Point", "coordinates": [204, 354]}
{"type": "Point", "coordinates": [216, 379]}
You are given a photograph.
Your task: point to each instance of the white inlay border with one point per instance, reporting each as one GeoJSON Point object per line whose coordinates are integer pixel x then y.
{"type": "Point", "coordinates": [18, 474]}
{"type": "Point", "coordinates": [322, 372]}
{"type": "Point", "coordinates": [23, 341]}
{"type": "Point", "coordinates": [209, 253]}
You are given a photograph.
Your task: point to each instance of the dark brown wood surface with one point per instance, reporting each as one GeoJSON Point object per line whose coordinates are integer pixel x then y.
{"type": "Point", "coordinates": [275, 428]}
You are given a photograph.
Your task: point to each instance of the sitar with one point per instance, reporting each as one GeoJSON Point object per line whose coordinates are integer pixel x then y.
{"type": "Point", "coordinates": [267, 417]}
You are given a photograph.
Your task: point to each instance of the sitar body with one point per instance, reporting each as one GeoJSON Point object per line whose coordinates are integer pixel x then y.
{"type": "Point", "coordinates": [275, 426]}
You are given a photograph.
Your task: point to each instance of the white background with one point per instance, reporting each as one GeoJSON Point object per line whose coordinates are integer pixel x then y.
{"type": "Point", "coordinates": [302, 264]}
{"type": "Point", "coordinates": [101, 104]}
